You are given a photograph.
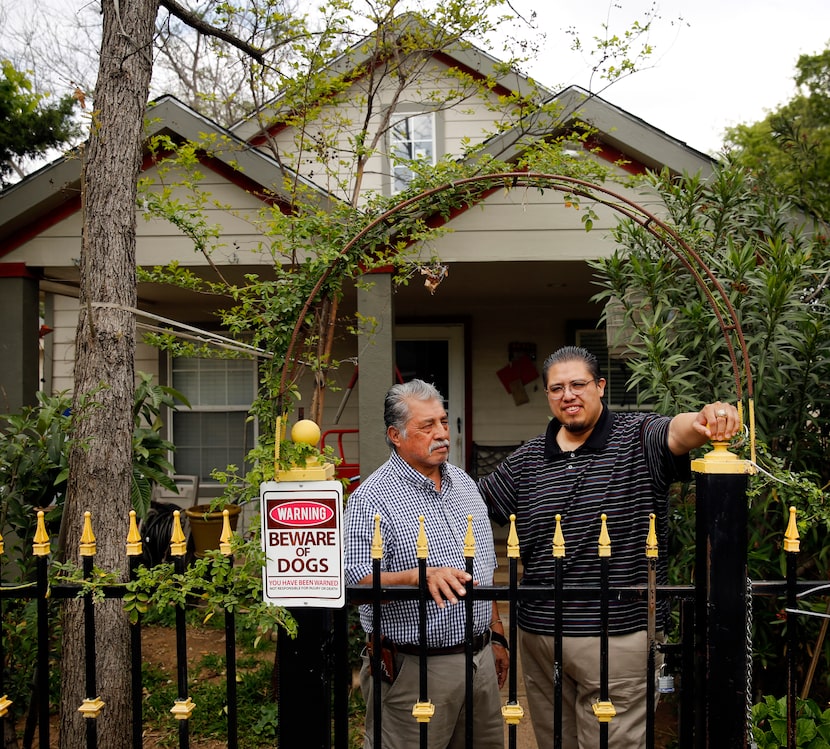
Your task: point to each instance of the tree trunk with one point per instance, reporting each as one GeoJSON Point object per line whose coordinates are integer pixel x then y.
{"type": "Point", "coordinates": [100, 471]}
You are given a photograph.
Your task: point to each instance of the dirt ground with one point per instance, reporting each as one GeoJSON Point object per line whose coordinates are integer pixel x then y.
{"type": "Point", "coordinates": [158, 646]}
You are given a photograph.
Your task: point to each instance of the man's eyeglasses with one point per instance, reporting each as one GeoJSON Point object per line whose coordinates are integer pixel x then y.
{"type": "Point", "coordinates": [577, 387]}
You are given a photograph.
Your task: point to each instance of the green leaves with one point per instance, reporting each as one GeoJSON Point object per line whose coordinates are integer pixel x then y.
{"type": "Point", "coordinates": [812, 725]}
{"type": "Point", "coordinates": [28, 124]}
{"type": "Point", "coordinates": [774, 274]}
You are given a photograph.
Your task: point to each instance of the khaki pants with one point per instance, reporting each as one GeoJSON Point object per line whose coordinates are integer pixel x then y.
{"type": "Point", "coordinates": [445, 684]}
{"type": "Point", "coordinates": [627, 666]}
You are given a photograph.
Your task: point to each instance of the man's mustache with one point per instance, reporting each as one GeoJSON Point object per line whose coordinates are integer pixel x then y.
{"type": "Point", "coordinates": [439, 444]}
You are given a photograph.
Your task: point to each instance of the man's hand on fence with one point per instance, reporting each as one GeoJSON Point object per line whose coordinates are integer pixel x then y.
{"type": "Point", "coordinates": [446, 584]}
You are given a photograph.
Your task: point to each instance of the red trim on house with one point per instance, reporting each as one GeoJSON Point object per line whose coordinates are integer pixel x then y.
{"type": "Point", "coordinates": [451, 62]}
{"type": "Point", "coordinates": [615, 156]}
{"type": "Point", "coordinates": [73, 205]}
{"type": "Point", "coordinates": [37, 227]}
{"type": "Point", "coordinates": [16, 270]}
{"type": "Point", "coordinates": [361, 72]}
{"type": "Point", "coordinates": [243, 182]}
{"type": "Point", "coordinates": [234, 176]}
{"type": "Point", "coordinates": [381, 269]}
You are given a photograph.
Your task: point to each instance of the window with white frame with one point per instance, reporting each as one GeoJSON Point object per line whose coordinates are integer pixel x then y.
{"type": "Point", "coordinates": [215, 432]}
{"type": "Point", "coordinates": [410, 138]}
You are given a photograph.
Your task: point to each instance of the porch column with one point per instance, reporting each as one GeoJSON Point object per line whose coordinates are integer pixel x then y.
{"type": "Point", "coordinates": [376, 362]}
{"type": "Point", "coordinates": [721, 616]}
{"type": "Point", "coordinates": [19, 343]}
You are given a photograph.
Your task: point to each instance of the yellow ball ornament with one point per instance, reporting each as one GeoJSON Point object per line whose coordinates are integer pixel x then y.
{"type": "Point", "coordinates": [305, 431]}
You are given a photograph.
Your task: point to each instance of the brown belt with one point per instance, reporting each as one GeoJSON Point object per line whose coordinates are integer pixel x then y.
{"type": "Point", "coordinates": [479, 642]}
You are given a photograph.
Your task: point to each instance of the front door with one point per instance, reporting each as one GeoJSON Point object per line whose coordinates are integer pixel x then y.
{"type": "Point", "coordinates": [435, 353]}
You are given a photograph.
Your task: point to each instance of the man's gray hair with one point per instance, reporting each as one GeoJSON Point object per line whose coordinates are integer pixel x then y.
{"type": "Point", "coordinates": [396, 410]}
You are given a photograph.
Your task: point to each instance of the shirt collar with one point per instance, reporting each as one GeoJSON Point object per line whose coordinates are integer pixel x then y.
{"type": "Point", "coordinates": [596, 441]}
{"type": "Point", "coordinates": [408, 473]}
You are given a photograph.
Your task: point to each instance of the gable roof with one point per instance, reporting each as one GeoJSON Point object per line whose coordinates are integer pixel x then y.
{"type": "Point", "coordinates": [620, 135]}
{"type": "Point", "coordinates": [352, 64]}
{"type": "Point", "coordinates": [53, 192]}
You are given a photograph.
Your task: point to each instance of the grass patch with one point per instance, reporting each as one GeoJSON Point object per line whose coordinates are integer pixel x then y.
{"type": "Point", "coordinates": [257, 710]}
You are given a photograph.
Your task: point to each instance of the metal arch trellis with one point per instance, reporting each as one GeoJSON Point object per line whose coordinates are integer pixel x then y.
{"type": "Point", "coordinates": [704, 277]}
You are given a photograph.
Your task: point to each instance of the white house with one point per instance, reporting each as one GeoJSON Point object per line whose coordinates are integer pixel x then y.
{"type": "Point", "coordinates": [518, 285]}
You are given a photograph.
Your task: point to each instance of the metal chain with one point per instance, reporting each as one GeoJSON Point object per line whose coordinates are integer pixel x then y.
{"type": "Point", "coordinates": [749, 733]}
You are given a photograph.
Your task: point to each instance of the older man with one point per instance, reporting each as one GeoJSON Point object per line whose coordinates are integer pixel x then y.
{"type": "Point", "coordinates": [418, 481]}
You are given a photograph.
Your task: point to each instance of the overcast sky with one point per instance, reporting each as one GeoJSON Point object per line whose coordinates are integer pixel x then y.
{"type": "Point", "coordinates": [727, 62]}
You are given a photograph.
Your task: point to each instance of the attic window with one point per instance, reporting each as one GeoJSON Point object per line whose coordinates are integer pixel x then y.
{"type": "Point", "coordinates": [411, 138]}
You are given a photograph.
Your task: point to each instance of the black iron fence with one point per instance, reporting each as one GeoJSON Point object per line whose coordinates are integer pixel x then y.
{"type": "Point", "coordinates": [314, 668]}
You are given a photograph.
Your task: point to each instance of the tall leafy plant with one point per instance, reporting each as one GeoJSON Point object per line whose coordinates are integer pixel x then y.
{"type": "Point", "coordinates": [774, 269]}
{"type": "Point", "coordinates": [34, 458]}
{"type": "Point", "coordinates": [34, 450]}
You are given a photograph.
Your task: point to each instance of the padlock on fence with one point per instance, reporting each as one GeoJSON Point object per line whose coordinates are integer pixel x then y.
{"type": "Point", "coordinates": [665, 681]}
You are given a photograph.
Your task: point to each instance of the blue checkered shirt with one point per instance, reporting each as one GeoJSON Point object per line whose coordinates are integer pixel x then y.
{"type": "Point", "coordinates": [400, 494]}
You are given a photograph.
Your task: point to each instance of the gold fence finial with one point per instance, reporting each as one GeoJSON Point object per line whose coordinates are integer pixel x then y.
{"type": "Point", "coordinates": [558, 539]}
{"type": "Point", "coordinates": [307, 432]}
{"type": "Point", "coordinates": [133, 537]}
{"type": "Point", "coordinates": [41, 546]}
{"type": "Point", "coordinates": [178, 542]}
{"type": "Point", "coordinates": [604, 538]}
{"type": "Point", "coordinates": [377, 540]}
{"type": "Point", "coordinates": [2, 550]}
{"type": "Point", "coordinates": [421, 545]}
{"type": "Point", "coordinates": [225, 538]}
{"type": "Point", "coordinates": [88, 537]}
{"type": "Point", "coordinates": [720, 460]}
{"type": "Point", "coordinates": [651, 539]}
{"type": "Point", "coordinates": [512, 540]}
{"type": "Point", "coordinates": [791, 538]}
{"type": "Point", "coordinates": [469, 540]}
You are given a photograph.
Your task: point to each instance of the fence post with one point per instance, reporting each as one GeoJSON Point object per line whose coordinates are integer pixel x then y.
{"type": "Point", "coordinates": [305, 662]}
{"type": "Point", "coordinates": [92, 704]}
{"type": "Point", "coordinates": [720, 627]}
{"type": "Point", "coordinates": [41, 548]}
{"type": "Point", "coordinates": [134, 551]}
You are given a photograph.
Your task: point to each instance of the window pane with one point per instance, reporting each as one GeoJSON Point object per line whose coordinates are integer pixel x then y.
{"type": "Point", "coordinates": [421, 126]}
{"type": "Point", "coordinates": [410, 138]}
{"type": "Point", "coordinates": [207, 441]}
{"type": "Point", "coordinates": [215, 432]}
{"type": "Point", "coordinates": [215, 382]}
{"type": "Point", "coordinates": [402, 176]}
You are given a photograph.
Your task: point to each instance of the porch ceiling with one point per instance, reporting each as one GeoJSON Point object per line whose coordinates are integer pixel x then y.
{"type": "Point", "coordinates": [467, 286]}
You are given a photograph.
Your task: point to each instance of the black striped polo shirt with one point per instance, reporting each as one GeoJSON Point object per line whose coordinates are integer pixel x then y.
{"type": "Point", "coordinates": [624, 469]}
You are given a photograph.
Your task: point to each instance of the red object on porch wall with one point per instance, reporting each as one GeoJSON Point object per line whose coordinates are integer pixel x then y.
{"type": "Point", "coordinates": [521, 369]}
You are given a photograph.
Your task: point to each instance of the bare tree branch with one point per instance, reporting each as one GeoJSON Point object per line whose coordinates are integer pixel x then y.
{"type": "Point", "coordinates": [192, 20]}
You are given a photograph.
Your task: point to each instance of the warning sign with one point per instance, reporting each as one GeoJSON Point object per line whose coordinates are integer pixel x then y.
{"type": "Point", "coordinates": [302, 536]}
